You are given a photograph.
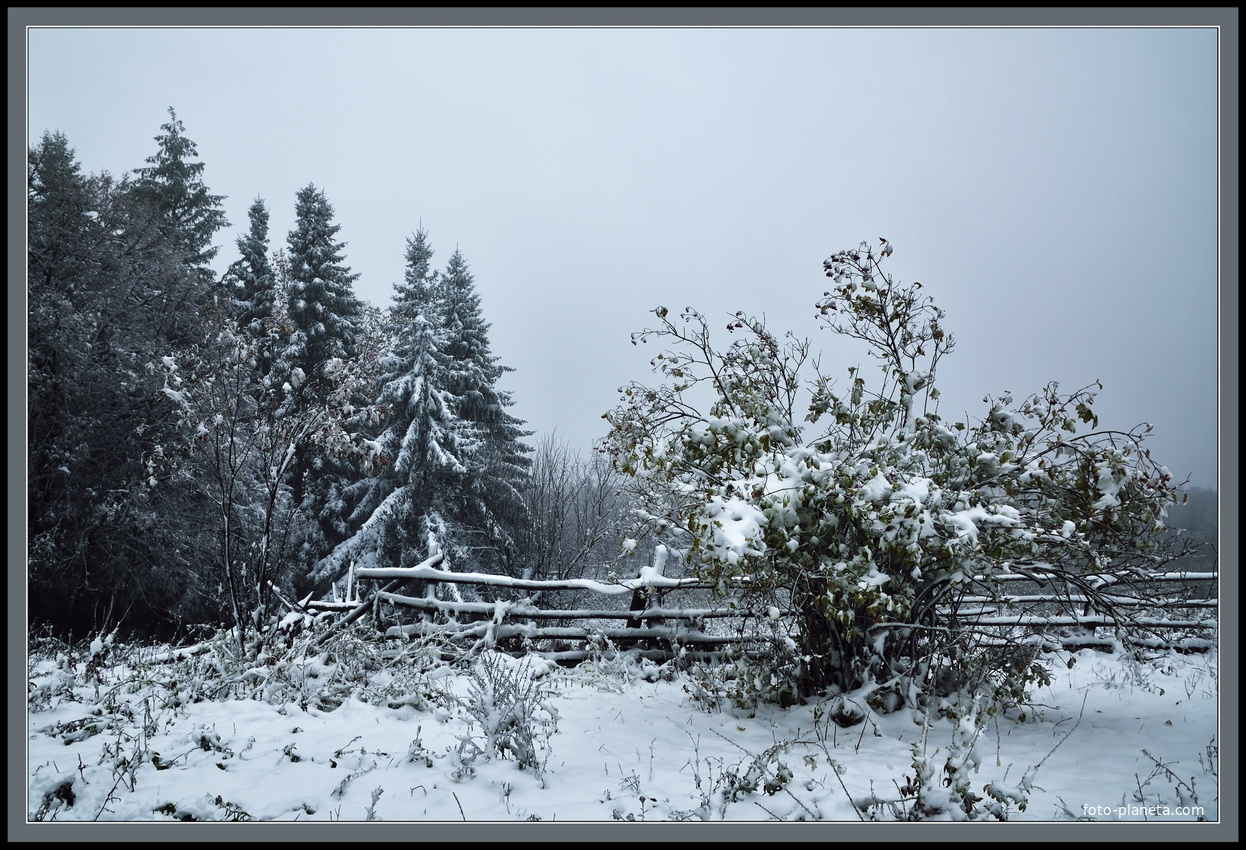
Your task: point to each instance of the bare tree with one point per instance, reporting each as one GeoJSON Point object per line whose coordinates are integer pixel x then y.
{"type": "Point", "coordinates": [575, 513]}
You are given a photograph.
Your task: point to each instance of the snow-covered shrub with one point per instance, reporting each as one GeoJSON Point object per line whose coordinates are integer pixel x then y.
{"type": "Point", "coordinates": [608, 667]}
{"type": "Point", "coordinates": [742, 681]}
{"type": "Point", "coordinates": [720, 782]}
{"type": "Point", "coordinates": [944, 782]}
{"type": "Point", "coordinates": [766, 772]}
{"type": "Point", "coordinates": [876, 529]}
{"type": "Point", "coordinates": [511, 713]}
{"type": "Point", "coordinates": [51, 672]}
{"type": "Point", "coordinates": [325, 669]}
{"type": "Point", "coordinates": [944, 786]}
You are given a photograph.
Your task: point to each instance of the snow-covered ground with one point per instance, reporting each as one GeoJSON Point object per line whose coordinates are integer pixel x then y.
{"type": "Point", "coordinates": [1111, 739]}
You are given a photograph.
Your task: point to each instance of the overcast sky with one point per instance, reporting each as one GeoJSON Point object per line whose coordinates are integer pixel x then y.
{"type": "Point", "coordinates": [1055, 190]}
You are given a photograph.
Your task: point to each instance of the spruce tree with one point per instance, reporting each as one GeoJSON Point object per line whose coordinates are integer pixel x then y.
{"type": "Point", "coordinates": [189, 215]}
{"type": "Point", "coordinates": [425, 445]}
{"type": "Point", "coordinates": [319, 334]}
{"type": "Point", "coordinates": [493, 507]}
{"type": "Point", "coordinates": [322, 306]}
{"type": "Point", "coordinates": [251, 281]}
{"type": "Point", "coordinates": [60, 230]}
{"type": "Point", "coordinates": [57, 208]}
{"type": "Point", "coordinates": [106, 292]}
{"type": "Point", "coordinates": [455, 458]}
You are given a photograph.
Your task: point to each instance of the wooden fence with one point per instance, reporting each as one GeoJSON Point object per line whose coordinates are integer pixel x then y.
{"type": "Point", "coordinates": [1161, 610]}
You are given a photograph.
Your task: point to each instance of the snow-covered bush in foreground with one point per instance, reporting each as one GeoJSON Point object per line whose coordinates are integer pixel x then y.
{"type": "Point", "coordinates": [511, 713]}
{"type": "Point", "coordinates": [860, 518]}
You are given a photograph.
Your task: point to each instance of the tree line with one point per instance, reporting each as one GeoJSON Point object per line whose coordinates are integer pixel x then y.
{"type": "Point", "coordinates": [207, 448]}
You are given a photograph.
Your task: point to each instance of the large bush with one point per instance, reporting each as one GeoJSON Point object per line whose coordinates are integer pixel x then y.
{"type": "Point", "coordinates": [857, 518]}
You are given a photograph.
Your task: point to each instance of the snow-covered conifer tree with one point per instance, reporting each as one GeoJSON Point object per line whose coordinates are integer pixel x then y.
{"type": "Point", "coordinates": [322, 305]}
{"type": "Point", "coordinates": [425, 445]}
{"type": "Point", "coordinates": [320, 332]}
{"type": "Point", "coordinates": [108, 288]}
{"type": "Point", "coordinates": [250, 281]}
{"type": "Point", "coordinates": [190, 215]}
{"type": "Point", "coordinates": [494, 506]}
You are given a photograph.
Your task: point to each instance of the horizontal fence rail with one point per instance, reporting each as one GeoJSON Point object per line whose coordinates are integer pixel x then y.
{"type": "Point", "coordinates": [1156, 610]}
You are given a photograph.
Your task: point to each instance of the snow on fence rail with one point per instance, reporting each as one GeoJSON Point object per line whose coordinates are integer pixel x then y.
{"type": "Point", "coordinates": [1049, 611]}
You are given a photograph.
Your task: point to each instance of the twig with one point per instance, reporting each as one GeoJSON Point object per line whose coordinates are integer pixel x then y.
{"type": "Point", "coordinates": [456, 799]}
{"type": "Point", "coordinates": [109, 797]}
{"type": "Point", "coordinates": [1080, 714]}
{"type": "Point", "coordinates": [341, 750]}
{"type": "Point", "coordinates": [767, 811]}
{"type": "Point", "coordinates": [1141, 796]}
{"type": "Point", "coordinates": [799, 803]}
{"type": "Point", "coordinates": [851, 802]}
{"type": "Point", "coordinates": [729, 741]}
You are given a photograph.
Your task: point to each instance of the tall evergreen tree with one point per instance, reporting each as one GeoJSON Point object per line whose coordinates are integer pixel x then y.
{"type": "Point", "coordinates": [172, 182]}
{"type": "Point", "coordinates": [494, 507]}
{"type": "Point", "coordinates": [424, 442]}
{"type": "Point", "coordinates": [322, 305]}
{"type": "Point", "coordinates": [416, 294]}
{"type": "Point", "coordinates": [60, 226]}
{"type": "Point", "coordinates": [57, 211]}
{"type": "Point", "coordinates": [106, 292]}
{"type": "Point", "coordinates": [251, 281]}
{"type": "Point", "coordinates": [321, 325]}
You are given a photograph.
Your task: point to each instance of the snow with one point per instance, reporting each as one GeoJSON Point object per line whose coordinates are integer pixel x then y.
{"type": "Point", "coordinates": [738, 527]}
{"type": "Point", "coordinates": [648, 577]}
{"type": "Point", "coordinates": [1109, 487]}
{"type": "Point", "coordinates": [618, 739]}
{"type": "Point", "coordinates": [651, 575]}
{"type": "Point", "coordinates": [966, 521]}
{"type": "Point", "coordinates": [177, 396]}
{"type": "Point", "coordinates": [876, 489]}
